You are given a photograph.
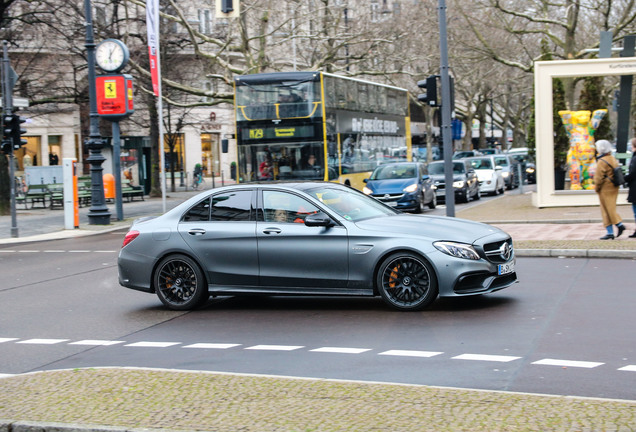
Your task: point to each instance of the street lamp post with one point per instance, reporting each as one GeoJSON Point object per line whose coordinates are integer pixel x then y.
{"type": "Point", "coordinates": [98, 214]}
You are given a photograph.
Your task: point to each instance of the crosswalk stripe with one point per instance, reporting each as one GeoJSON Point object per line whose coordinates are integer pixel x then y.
{"type": "Point", "coordinates": [409, 353]}
{"type": "Point", "coordinates": [93, 342]}
{"type": "Point", "coordinates": [567, 363]}
{"type": "Point", "coordinates": [341, 350]}
{"type": "Point", "coordinates": [482, 357]}
{"type": "Point", "coordinates": [152, 344]}
{"type": "Point", "coordinates": [275, 347]}
{"type": "Point", "coordinates": [212, 345]}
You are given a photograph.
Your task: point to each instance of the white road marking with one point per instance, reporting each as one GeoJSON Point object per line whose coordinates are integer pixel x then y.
{"type": "Point", "coordinates": [212, 345]}
{"type": "Point", "coordinates": [407, 353]}
{"type": "Point", "coordinates": [105, 251]}
{"type": "Point", "coordinates": [152, 344]}
{"type": "Point", "coordinates": [7, 339]}
{"type": "Point", "coordinates": [341, 350]}
{"type": "Point", "coordinates": [629, 368]}
{"type": "Point", "coordinates": [96, 342]}
{"type": "Point", "coordinates": [29, 251]}
{"type": "Point", "coordinates": [42, 341]}
{"type": "Point", "coordinates": [79, 251]}
{"type": "Point", "coordinates": [482, 357]}
{"type": "Point", "coordinates": [54, 251]}
{"type": "Point", "coordinates": [7, 251]}
{"type": "Point", "coordinates": [567, 363]}
{"type": "Point", "coordinates": [275, 347]}
{"type": "Point", "coordinates": [6, 375]}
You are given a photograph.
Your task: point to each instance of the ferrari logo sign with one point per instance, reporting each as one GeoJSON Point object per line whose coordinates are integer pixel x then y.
{"type": "Point", "coordinates": [110, 89]}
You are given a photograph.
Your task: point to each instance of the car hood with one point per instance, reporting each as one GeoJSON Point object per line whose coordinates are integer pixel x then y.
{"type": "Point", "coordinates": [389, 185]}
{"type": "Point", "coordinates": [432, 227]}
{"type": "Point", "coordinates": [485, 174]}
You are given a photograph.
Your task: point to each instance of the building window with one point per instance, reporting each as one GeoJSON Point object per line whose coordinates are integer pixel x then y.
{"type": "Point", "coordinates": [205, 21]}
{"type": "Point", "coordinates": [375, 12]}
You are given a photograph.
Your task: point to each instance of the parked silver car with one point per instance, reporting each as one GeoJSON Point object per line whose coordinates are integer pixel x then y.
{"type": "Point", "coordinates": [313, 238]}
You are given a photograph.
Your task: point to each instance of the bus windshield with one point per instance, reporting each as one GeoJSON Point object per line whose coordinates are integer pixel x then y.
{"type": "Point", "coordinates": [277, 100]}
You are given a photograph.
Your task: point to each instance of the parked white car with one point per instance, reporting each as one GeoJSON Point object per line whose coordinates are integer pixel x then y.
{"type": "Point", "coordinates": [490, 175]}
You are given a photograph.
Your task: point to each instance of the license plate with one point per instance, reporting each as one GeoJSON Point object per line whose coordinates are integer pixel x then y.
{"type": "Point", "coordinates": [503, 269]}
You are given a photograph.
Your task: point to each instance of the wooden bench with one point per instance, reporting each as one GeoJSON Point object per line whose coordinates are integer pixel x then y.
{"type": "Point", "coordinates": [131, 192]}
{"type": "Point", "coordinates": [56, 195]}
{"type": "Point", "coordinates": [37, 194]}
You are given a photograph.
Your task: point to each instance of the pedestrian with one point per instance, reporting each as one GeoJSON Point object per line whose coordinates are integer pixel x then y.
{"type": "Point", "coordinates": [630, 181]}
{"type": "Point", "coordinates": [607, 192]}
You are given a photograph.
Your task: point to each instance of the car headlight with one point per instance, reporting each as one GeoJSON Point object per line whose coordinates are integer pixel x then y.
{"type": "Point", "coordinates": [530, 170]}
{"type": "Point", "coordinates": [505, 174]}
{"type": "Point", "coordinates": [411, 188]}
{"type": "Point", "coordinates": [458, 250]}
{"type": "Point", "coordinates": [367, 191]}
{"type": "Point", "coordinates": [458, 184]}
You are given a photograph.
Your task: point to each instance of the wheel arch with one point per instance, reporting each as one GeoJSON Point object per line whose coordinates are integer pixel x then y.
{"type": "Point", "coordinates": [381, 258]}
{"type": "Point", "coordinates": [172, 253]}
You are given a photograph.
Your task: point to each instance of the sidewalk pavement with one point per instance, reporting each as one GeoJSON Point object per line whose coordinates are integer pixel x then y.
{"type": "Point", "coordinates": [133, 399]}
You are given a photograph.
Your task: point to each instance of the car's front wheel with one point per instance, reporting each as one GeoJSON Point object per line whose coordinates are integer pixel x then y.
{"type": "Point", "coordinates": [406, 282]}
{"type": "Point", "coordinates": [179, 283]}
{"type": "Point", "coordinates": [433, 202]}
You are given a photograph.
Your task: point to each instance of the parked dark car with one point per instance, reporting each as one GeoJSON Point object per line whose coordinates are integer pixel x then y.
{"type": "Point", "coordinates": [465, 181]}
{"type": "Point", "coordinates": [405, 186]}
{"type": "Point", "coordinates": [310, 238]}
{"type": "Point", "coordinates": [509, 170]}
{"type": "Point", "coordinates": [528, 167]}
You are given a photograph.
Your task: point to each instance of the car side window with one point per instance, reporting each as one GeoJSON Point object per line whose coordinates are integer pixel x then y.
{"type": "Point", "coordinates": [200, 212]}
{"type": "Point", "coordinates": [285, 207]}
{"type": "Point", "coordinates": [232, 206]}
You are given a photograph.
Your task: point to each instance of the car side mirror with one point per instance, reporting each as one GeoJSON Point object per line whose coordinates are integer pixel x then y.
{"type": "Point", "coordinates": [365, 180]}
{"type": "Point", "coordinates": [426, 177]}
{"type": "Point", "coordinates": [498, 168]}
{"type": "Point", "coordinates": [318, 219]}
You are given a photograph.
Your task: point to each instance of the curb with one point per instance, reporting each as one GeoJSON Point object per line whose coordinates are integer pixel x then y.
{"type": "Point", "coordinates": [27, 426]}
{"type": "Point", "coordinates": [577, 253]}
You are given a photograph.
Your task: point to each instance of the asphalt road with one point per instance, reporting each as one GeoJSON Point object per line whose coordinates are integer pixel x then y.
{"type": "Point", "coordinates": [567, 328]}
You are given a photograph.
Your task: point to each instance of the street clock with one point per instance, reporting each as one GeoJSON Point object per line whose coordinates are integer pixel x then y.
{"type": "Point", "coordinates": [112, 55]}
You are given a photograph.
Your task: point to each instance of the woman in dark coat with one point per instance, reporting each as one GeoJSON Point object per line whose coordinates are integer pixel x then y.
{"type": "Point", "coordinates": [607, 192]}
{"type": "Point", "coordinates": [630, 180]}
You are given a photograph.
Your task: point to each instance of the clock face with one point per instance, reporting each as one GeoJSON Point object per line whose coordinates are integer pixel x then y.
{"type": "Point", "coordinates": [111, 55]}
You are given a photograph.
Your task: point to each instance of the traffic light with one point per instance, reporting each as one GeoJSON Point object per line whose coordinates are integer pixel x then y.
{"type": "Point", "coordinates": [13, 132]}
{"type": "Point", "coordinates": [430, 97]}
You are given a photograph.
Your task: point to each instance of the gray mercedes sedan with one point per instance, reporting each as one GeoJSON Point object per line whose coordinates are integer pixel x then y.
{"type": "Point", "coordinates": [310, 238]}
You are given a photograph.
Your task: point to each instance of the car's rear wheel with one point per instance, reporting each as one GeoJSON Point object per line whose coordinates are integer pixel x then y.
{"type": "Point", "coordinates": [406, 282]}
{"type": "Point", "coordinates": [179, 283]}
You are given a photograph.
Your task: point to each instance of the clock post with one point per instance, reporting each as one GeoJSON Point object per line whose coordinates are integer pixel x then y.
{"type": "Point", "coordinates": [98, 213]}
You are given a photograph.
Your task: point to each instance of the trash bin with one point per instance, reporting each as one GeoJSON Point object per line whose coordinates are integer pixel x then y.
{"type": "Point", "coordinates": [109, 186]}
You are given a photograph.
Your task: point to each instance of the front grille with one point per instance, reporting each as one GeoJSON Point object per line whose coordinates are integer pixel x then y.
{"type": "Point", "coordinates": [483, 282]}
{"type": "Point", "coordinates": [388, 197]}
{"type": "Point", "coordinates": [499, 252]}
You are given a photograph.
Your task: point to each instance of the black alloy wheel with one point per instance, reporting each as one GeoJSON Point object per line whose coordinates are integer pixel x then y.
{"type": "Point", "coordinates": [179, 283]}
{"type": "Point", "coordinates": [406, 282]}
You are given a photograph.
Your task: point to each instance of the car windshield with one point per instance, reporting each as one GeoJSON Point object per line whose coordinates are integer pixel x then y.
{"type": "Point", "coordinates": [481, 164]}
{"type": "Point", "coordinates": [501, 161]}
{"type": "Point", "coordinates": [393, 171]}
{"type": "Point", "coordinates": [438, 168]}
{"type": "Point", "coordinates": [350, 204]}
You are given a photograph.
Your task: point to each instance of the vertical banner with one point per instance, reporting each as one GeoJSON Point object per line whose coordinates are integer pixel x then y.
{"type": "Point", "coordinates": [152, 25]}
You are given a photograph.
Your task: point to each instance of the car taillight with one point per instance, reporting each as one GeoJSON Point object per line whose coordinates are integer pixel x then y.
{"type": "Point", "coordinates": [130, 237]}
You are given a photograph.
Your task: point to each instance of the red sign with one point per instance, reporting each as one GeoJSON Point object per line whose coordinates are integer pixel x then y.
{"type": "Point", "coordinates": [114, 96]}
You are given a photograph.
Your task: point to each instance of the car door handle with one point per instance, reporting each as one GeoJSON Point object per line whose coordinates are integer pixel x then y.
{"type": "Point", "coordinates": [272, 231]}
{"type": "Point", "coordinates": [196, 231]}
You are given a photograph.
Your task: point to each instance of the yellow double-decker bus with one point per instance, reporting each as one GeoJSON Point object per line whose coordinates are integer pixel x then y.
{"type": "Point", "coordinates": [318, 126]}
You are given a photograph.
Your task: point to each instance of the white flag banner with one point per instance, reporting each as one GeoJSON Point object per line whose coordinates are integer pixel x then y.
{"type": "Point", "coordinates": [152, 25]}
